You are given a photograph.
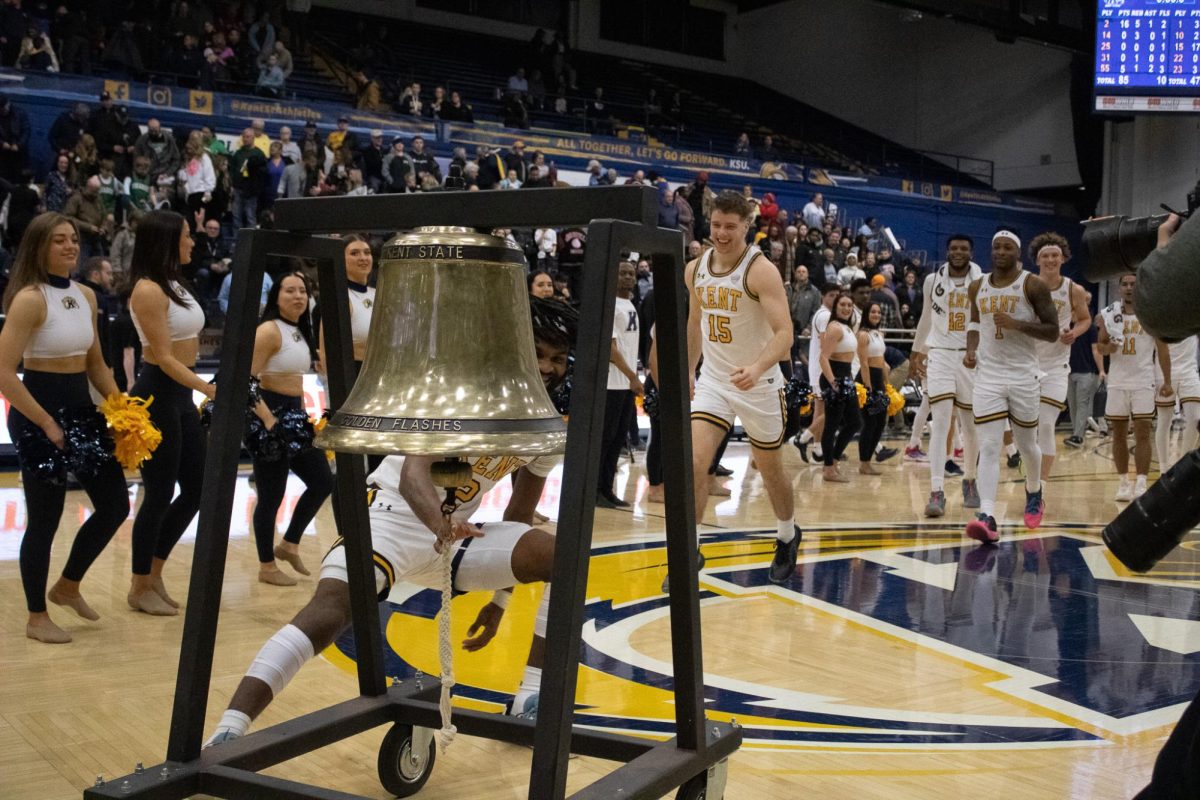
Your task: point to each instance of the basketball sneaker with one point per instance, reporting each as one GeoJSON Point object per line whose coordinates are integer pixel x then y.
{"type": "Point", "coordinates": [970, 490]}
{"type": "Point", "coordinates": [1124, 491]}
{"type": "Point", "coordinates": [1139, 486]}
{"type": "Point", "coordinates": [528, 709]}
{"type": "Point", "coordinates": [1035, 506]}
{"type": "Point", "coordinates": [222, 735]}
{"type": "Point", "coordinates": [952, 468]}
{"type": "Point", "coordinates": [1073, 441]}
{"type": "Point", "coordinates": [983, 529]}
{"type": "Point", "coordinates": [666, 589]}
{"type": "Point", "coordinates": [1014, 460]}
{"type": "Point", "coordinates": [936, 507]}
{"type": "Point", "coordinates": [915, 454]}
{"type": "Point", "coordinates": [784, 562]}
{"type": "Point", "coordinates": [884, 453]}
{"type": "Point", "coordinates": [802, 446]}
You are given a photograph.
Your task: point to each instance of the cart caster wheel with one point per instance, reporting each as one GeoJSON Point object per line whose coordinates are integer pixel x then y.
{"type": "Point", "coordinates": [406, 759]}
{"type": "Point", "coordinates": [694, 789]}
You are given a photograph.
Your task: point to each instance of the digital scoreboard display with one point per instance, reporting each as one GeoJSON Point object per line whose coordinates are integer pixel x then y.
{"type": "Point", "coordinates": [1148, 56]}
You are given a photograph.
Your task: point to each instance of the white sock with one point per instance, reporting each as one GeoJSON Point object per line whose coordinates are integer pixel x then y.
{"type": "Point", "coordinates": [234, 722]}
{"type": "Point", "coordinates": [970, 441]}
{"type": "Point", "coordinates": [785, 530]}
{"type": "Point", "coordinates": [939, 426]}
{"type": "Point", "coordinates": [919, 422]}
{"type": "Point", "coordinates": [806, 436]}
{"type": "Point", "coordinates": [1010, 448]}
{"type": "Point", "coordinates": [1162, 437]}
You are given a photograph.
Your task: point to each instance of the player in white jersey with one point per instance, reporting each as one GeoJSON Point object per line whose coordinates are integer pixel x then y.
{"type": "Point", "coordinates": [1050, 251]}
{"type": "Point", "coordinates": [937, 355]}
{"type": "Point", "coordinates": [1011, 311]}
{"type": "Point", "coordinates": [817, 326]}
{"type": "Point", "coordinates": [1131, 352]}
{"type": "Point", "coordinates": [1186, 383]}
{"type": "Point", "coordinates": [739, 322]}
{"type": "Point", "coordinates": [405, 513]}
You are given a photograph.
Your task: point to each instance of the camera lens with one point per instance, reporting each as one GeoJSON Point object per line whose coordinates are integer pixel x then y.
{"type": "Point", "coordinates": [1117, 245]}
{"type": "Point", "coordinates": [1155, 523]}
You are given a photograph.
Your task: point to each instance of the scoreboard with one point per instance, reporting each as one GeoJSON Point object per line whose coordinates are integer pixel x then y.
{"type": "Point", "coordinates": [1147, 55]}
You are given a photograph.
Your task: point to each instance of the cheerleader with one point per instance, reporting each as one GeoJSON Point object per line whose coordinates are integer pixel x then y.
{"type": "Point", "coordinates": [871, 348]}
{"type": "Point", "coordinates": [168, 319]}
{"type": "Point", "coordinates": [283, 353]}
{"type": "Point", "coordinates": [50, 326]}
{"type": "Point", "coordinates": [838, 346]}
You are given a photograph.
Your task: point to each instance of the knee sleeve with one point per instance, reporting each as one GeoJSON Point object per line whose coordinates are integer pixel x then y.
{"type": "Point", "coordinates": [1047, 420]}
{"type": "Point", "coordinates": [1162, 435]}
{"type": "Point", "coordinates": [543, 614]}
{"type": "Point", "coordinates": [1026, 440]}
{"type": "Point", "coordinates": [281, 658]}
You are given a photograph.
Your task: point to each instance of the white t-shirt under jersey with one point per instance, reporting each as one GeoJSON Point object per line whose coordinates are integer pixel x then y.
{"type": "Point", "coordinates": [625, 334]}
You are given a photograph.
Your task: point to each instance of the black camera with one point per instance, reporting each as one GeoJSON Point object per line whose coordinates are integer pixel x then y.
{"type": "Point", "coordinates": [1117, 245]}
{"type": "Point", "coordinates": [1155, 523]}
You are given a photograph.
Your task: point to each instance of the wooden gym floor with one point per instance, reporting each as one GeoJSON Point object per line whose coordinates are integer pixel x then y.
{"type": "Point", "coordinates": [902, 661]}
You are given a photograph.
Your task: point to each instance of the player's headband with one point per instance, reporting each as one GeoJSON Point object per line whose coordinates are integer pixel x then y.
{"type": "Point", "coordinates": [1057, 247]}
{"type": "Point", "coordinates": [1012, 237]}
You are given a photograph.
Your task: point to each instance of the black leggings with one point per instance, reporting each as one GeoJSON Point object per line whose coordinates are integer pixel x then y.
{"type": "Point", "coordinates": [179, 459]}
{"type": "Point", "coordinates": [842, 420]}
{"type": "Point", "coordinates": [270, 481]}
{"type": "Point", "coordinates": [44, 501]}
{"type": "Point", "coordinates": [873, 424]}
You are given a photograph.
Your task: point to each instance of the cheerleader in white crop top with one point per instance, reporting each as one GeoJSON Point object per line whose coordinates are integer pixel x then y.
{"type": "Point", "coordinates": [281, 437]}
{"type": "Point", "coordinates": [839, 345]}
{"type": "Point", "coordinates": [51, 327]}
{"type": "Point", "coordinates": [168, 319]}
{"type": "Point", "coordinates": [871, 349]}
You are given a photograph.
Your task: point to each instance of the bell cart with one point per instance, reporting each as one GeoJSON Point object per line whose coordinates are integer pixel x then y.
{"type": "Point", "coordinates": [618, 219]}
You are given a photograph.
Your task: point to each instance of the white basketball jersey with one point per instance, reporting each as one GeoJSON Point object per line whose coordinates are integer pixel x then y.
{"type": "Point", "coordinates": [486, 472]}
{"type": "Point", "coordinates": [950, 303]}
{"type": "Point", "coordinates": [1183, 364]}
{"type": "Point", "coordinates": [1132, 366]}
{"type": "Point", "coordinates": [1055, 355]}
{"type": "Point", "coordinates": [1004, 354]}
{"type": "Point", "coordinates": [733, 327]}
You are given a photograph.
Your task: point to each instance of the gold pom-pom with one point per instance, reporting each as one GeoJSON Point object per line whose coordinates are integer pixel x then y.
{"type": "Point", "coordinates": [318, 426]}
{"type": "Point", "coordinates": [862, 394]}
{"type": "Point", "coordinates": [895, 401]}
{"type": "Point", "coordinates": [806, 409]}
{"type": "Point", "coordinates": [135, 436]}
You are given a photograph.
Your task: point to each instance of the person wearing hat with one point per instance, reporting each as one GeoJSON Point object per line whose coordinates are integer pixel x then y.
{"type": "Point", "coordinates": [372, 162]}
{"type": "Point", "coordinates": [700, 197]}
{"type": "Point", "coordinates": [491, 167]}
{"type": "Point", "coordinates": [396, 165]}
{"type": "Point", "coordinates": [14, 140]}
{"type": "Point", "coordinates": [107, 129]}
{"type": "Point", "coordinates": [342, 137]}
{"type": "Point", "coordinates": [889, 304]}
{"type": "Point", "coordinates": [68, 127]}
{"type": "Point", "coordinates": [311, 134]}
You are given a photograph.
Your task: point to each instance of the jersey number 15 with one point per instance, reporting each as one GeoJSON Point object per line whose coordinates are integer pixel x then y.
{"type": "Point", "coordinates": [718, 329]}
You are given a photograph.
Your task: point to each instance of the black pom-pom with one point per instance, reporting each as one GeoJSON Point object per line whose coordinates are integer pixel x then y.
{"type": "Point", "coordinates": [38, 455]}
{"type": "Point", "coordinates": [877, 402]}
{"type": "Point", "coordinates": [89, 444]}
{"type": "Point", "coordinates": [650, 403]}
{"type": "Point", "coordinates": [561, 394]}
{"type": "Point", "coordinates": [294, 430]}
{"type": "Point", "coordinates": [842, 391]}
{"type": "Point", "coordinates": [797, 393]}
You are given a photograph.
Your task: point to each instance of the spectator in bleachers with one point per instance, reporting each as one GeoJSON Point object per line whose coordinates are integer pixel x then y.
{"type": "Point", "coordinates": [458, 157]}
{"type": "Point", "coordinates": [515, 161]}
{"type": "Point", "coordinates": [668, 216]}
{"type": "Point", "coordinates": [60, 183]}
{"type": "Point", "coordinates": [535, 178]}
{"type": "Point", "coordinates": [215, 75]}
{"type": "Point", "coordinates": [439, 101]}
{"type": "Point", "coordinates": [457, 110]}
{"type": "Point", "coordinates": [222, 196]}
{"type": "Point", "coordinates": [261, 35]}
{"type": "Point", "coordinates": [68, 127]}
{"type": "Point", "coordinates": [803, 300]}
{"type": "Point", "coordinates": [882, 294]}
{"type": "Point", "coordinates": [188, 62]}
{"type": "Point", "coordinates": [121, 253]}
{"type": "Point", "coordinates": [112, 194]}
{"type": "Point", "coordinates": [652, 108]}
{"type": "Point", "coordinates": [14, 140]}
{"type": "Point", "coordinates": [337, 179]}
{"type": "Point", "coordinates": [410, 100]}
{"type": "Point", "coordinates": [12, 30]}
{"type": "Point", "coordinates": [84, 207]}
{"type": "Point", "coordinates": [291, 150]}
{"type": "Point", "coordinates": [276, 164]}
{"type": "Point", "coordinates": [514, 111]}
{"type": "Point", "coordinates": [870, 264]}
{"type": "Point", "coordinates": [741, 147]}
{"type": "Point", "coordinates": [210, 259]}
{"type": "Point", "coordinates": [367, 94]}
{"type": "Point", "coordinates": [686, 220]}
{"type": "Point", "coordinates": [108, 130]}
{"type": "Point", "coordinates": [537, 90]}
{"type": "Point", "coordinates": [396, 165]}
{"type": "Point", "coordinates": [471, 176]}
{"type": "Point", "coordinates": [37, 53]}
{"type": "Point", "coordinates": [162, 150]}
{"type": "Point", "coordinates": [599, 118]}
{"type": "Point", "coordinates": [212, 144]}
{"type": "Point", "coordinates": [791, 239]}
{"type": "Point", "coordinates": [638, 178]}
{"type": "Point", "coordinates": [912, 299]}
{"type": "Point", "coordinates": [767, 151]}
{"type": "Point", "coordinates": [595, 173]}
{"type": "Point", "coordinates": [312, 136]}
{"type": "Point", "coordinates": [518, 85]}
{"type": "Point", "coordinates": [296, 177]}
{"type": "Point", "coordinates": [342, 136]}
{"type": "Point", "coordinates": [198, 178]}
{"type": "Point", "coordinates": [371, 158]}
{"type": "Point", "coordinates": [511, 181]}
{"type": "Point", "coordinates": [283, 57]}
{"type": "Point", "coordinates": [849, 272]}
{"type": "Point", "coordinates": [548, 172]}
{"type": "Point", "coordinates": [248, 170]}
{"type": "Point", "coordinates": [140, 188]}
{"type": "Point", "coordinates": [187, 20]}
{"type": "Point", "coordinates": [768, 209]}
{"type": "Point", "coordinates": [869, 230]}
{"type": "Point", "coordinates": [243, 57]}
{"type": "Point", "coordinates": [270, 79]}
{"type": "Point", "coordinates": [491, 167]}
{"type": "Point", "coordinates": [24, 203]}
{"type": "Point", "coordinates": [814, 212]}
{"type": "Point", "coordinates": [122, 51]}
{"type": "Point", "coordinates": [85, 159]}
{"type": "Point", "coordinates": [424, 163]}
{"type": "Point", "coordinates": [546, 242]}
{"type": "Point", "coordinates": [700, 197]}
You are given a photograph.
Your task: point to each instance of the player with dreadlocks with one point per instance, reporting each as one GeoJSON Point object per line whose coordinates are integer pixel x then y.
{"type": "Point", "coordinates": [405, 513]}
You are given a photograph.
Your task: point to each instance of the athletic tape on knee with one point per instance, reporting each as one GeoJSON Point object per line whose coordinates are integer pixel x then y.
{"type": "Point", "coordinates": [281, 658]}
{"type": "Point", "coordinates": [543, 614]}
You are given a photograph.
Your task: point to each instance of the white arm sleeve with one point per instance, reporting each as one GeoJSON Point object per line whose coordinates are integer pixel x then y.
{"type": "Point", "coordinates": [926, 321]}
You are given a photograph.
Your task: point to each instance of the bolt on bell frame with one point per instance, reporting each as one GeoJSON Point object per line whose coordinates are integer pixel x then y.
{"type": "Point", "coordinates": [618, 219]}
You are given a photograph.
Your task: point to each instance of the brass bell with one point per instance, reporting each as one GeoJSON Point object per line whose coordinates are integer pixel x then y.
{"type": "Point", "coordinates": [450, 367]}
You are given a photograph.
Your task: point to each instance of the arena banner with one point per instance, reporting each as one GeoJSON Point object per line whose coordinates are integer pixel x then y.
{"type": "Point", "coordinates": [930, 190]}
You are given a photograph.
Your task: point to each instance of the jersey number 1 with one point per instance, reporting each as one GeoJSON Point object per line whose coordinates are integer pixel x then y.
{"type": "Point", "coordinates": [718, 329]}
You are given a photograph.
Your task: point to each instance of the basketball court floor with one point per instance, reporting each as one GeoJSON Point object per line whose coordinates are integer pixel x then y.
{"type": "Point", "coordinates": [901, 661]}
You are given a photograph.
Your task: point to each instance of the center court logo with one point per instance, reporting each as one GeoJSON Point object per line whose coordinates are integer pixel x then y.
{"type": "Point", "coordinates": [878, 640]}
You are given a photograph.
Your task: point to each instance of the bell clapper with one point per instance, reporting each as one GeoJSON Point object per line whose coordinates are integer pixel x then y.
{"type": "Point", "coordinates": [448, 474]}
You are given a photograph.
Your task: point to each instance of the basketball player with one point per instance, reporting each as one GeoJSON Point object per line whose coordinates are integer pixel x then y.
{"type": "Point", "coordinates": [741, 325]}
{"type": "Point", "coordinates": [1050, 251]}
{"type": "Point", "coordinates": [1130, 352]}
{"type": "Point", "coordinates": [817, 326]}
{"type": "Point", "coordinates": [937, 355]}
{"type": "Point", "coordinates": [1011, 311]}
{"type": "Point", "coordinates": [405, 514]}
{"type": "Point", "coordinates": [1186, 384]}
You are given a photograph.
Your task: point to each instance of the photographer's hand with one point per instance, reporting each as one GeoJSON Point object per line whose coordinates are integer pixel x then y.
{"type": "Point", "coordinates": [1167, 229]}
